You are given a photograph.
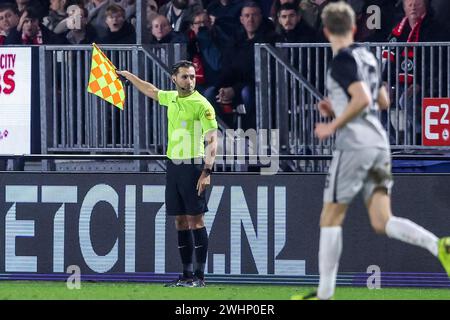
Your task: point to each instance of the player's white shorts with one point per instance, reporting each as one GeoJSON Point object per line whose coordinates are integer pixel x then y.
{"type": "Point", "coordinates": [353, 170]}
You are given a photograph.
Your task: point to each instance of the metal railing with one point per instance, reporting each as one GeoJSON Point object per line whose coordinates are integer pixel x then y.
{"type": "Point", "coordinates": [286, 101]}
{"type": "Point", "coordinates": [75, 121]}
{"type": "Point", "coordinates": [291, 78]}
{"type": "Point", "coordinates": [72, 120]}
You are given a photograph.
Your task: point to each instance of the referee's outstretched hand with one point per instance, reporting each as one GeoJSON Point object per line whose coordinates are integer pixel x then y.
{"type": "Point", "coordinates": [203, 182]}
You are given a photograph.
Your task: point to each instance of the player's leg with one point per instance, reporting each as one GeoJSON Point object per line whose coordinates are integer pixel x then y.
{"type": "Point", "coordinates": [343, 182]}
{"type": "Point", "coordinates": [378, 202]}
{"type": "Point", "coordinates": [348, 172]}
{"type": "Point", "coordinates": [330, 247]}
{"type": "Point", "coordinates": [197, 225]}
{"type": "Point", "coordinates": [383, 222]}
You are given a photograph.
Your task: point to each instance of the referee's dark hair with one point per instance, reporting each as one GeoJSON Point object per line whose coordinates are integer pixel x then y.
{"type": "Point", "coordinates": [181, 64]}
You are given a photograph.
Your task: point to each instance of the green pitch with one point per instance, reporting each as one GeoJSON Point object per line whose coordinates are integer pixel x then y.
{"type": "Point", "coordinates": [33, 290]}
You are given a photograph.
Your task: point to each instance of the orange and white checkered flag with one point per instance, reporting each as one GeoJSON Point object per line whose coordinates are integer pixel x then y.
{"type": "Point", "coordinates": [104, 81]}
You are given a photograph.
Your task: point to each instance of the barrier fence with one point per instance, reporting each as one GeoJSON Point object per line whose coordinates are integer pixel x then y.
{"type": "Point", "coordinates": [74, 121]}
{"type": "Point", "coordinates": [290, 79]}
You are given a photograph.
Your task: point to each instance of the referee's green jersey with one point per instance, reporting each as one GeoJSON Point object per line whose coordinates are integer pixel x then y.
{"type": "Point", "coordinates": [188, 118]}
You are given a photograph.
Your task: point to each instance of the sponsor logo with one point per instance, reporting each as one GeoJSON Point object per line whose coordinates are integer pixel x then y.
{"type": "Point", "coordinates": [210, 115]}
{"type": "Point", "coordinates": [3, 134]}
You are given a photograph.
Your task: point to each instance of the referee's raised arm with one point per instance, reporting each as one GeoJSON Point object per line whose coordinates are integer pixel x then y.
{"type": "Point", "coordinates": [143, 86]}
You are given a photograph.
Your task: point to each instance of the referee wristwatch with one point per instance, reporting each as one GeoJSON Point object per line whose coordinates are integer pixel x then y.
{"type": "Point", "coordinates": [207, 171]}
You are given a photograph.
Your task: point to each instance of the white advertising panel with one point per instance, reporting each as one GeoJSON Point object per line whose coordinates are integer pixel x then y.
{"type": "Point", "coordinates": [15, 100]}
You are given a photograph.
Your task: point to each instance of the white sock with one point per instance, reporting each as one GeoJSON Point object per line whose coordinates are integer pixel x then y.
{"type": "Point", "coordinates": [409, 232]}
{"type": "Point", "coordinates": [330, 248]}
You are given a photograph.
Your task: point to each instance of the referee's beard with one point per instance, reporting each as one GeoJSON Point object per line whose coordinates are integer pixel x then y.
{"type": "Point", "coordinates": [186, 90]}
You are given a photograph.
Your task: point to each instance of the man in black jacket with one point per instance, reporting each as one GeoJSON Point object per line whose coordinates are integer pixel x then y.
{"type": "Point", "coordinates": [237, 77]}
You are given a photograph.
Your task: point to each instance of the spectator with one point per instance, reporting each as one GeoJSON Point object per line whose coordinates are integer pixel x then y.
{"type": "Point", "coordinates": [230, 9]}
{"type": "Point", "coordinates": [119, 30]}
{"type": "Point", "coordinates": [180, 13]}
{"type": "Point", "coordinates": [236, 84]}
{"type": "Point", "coordinates": [204, 51]}
{"type": "Point", "coordinates": [97, 16]}
{"type": "Point", "coordinates": [80, 32]}
{"type": "Point", "coordinates": [56, 15]}
{"type": "Point", "coordinates": [151, 13]}
{"type": "Point", "coordinates": [291, 27]}
{"type": "Point", "coordinates": [61, 27]}
{"type": "Point", "coordinates": [418, 25]}
{"type": "Point", "coordinates": [129, 6]}
{"type": "Point", "coordinates": [9, 19]}
{"type": "Point", "coordinates": [30, 31]}
{"type": "Point", "coordinates": [277, 4]}
{"type": "Point", "coordinates": [21, 5]}
{"type": "Point", "coordinates": [225, 14]}
{"type": "Point", "coordinates": [162, 32]}
{"type": "Point", "coordinates": [312, 9]}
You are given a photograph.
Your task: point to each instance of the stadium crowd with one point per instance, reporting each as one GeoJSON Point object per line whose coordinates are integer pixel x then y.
{"type": "Point", "coordinates": [220, 34]}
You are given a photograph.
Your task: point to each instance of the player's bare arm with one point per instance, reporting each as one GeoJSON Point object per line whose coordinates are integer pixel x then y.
{"type": "Point", "coordinates": [145, 87]}
{"type": "Point", "coordinates": [325, 108]}
{"type": "Point", "coordinates": [210, 155]}
{"type": "Point", "coordinates": [383, 99]}
{"type": "Point", "coordinates": [360, 99]}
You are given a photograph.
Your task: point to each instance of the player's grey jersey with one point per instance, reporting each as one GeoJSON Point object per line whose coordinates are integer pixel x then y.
{"type": "Point", "coordinates": [354, 64]}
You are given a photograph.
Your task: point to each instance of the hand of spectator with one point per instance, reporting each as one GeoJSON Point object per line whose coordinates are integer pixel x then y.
{"type": "Point", "coordinates": [22, 20]}
{"type": "Point", "coordinates": [325, 108]}
{"type": "Point", "coordinates": [213, 19]}
{"type": "Point", "coordinates": [225, 95]}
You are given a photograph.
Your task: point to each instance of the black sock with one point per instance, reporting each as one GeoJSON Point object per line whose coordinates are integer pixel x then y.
{"type": "Point", "coordinates": [201, 250]}
{"type": "Point", "coordinates": [186, 248]}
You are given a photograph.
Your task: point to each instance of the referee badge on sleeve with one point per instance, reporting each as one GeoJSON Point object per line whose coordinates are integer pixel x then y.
{"type": "Point", "coordinates": [210, 114]}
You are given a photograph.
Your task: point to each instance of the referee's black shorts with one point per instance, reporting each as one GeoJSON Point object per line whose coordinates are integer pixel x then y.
{"type": "Point", "coordinates": [181, 189]}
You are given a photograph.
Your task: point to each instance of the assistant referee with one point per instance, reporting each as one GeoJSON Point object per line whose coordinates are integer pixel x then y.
{"type": "Point", "coordinates": [191, 121]}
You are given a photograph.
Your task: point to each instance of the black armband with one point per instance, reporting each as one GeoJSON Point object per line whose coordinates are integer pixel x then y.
{"type": "Point", "coordinates": [207, 171]}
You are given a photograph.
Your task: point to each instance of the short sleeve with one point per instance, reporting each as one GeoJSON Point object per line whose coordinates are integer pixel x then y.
{"type": "Point", "coordinates": [164, 97]}
{"type": "Point", "coordinates": [208, 117]}
{"type": "Point", "coordinates": [344, 70]}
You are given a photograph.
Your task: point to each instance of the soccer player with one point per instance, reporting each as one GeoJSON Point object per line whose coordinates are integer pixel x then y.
{"type": "Point", "coordinates": [361, 160]}
{"type": "Point", "coordinates": [191, 120]}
